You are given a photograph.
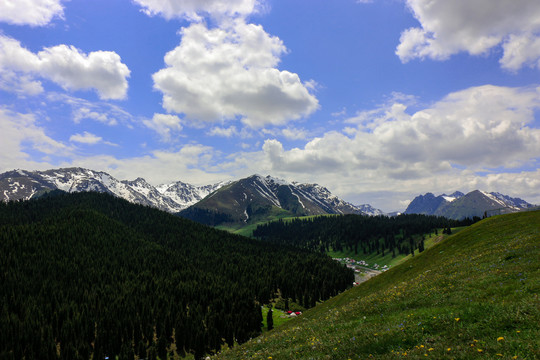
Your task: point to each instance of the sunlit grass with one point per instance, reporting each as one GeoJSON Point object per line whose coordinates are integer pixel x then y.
{"type": "Point", "coordinates": [473, 295]}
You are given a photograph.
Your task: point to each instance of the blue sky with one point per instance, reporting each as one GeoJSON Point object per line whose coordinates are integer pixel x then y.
{"type": "Point", "coordinates": [377, 100]}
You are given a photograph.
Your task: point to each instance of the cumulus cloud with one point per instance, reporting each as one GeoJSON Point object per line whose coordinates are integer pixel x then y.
{"type": "Point", "coordinates": [480, 126]}
{"type": "Point", "coordinates": [194, 9]}
{"type": "Point", "coordinates": [229, 73]}
{"type": "Point", "coordinates": [450, 27]}
{"type": "Point", "coordinates": [450, 145]}
{"type": "Point", "coordinates": [65, 65]}
{"type": "Point", "coordinates": [165, 125]}
{"type": "Point", "coordinates": [30, 12]}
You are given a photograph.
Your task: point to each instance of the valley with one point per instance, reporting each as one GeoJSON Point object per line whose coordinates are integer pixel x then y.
{"type": "Point", "coordinates": [473, 295]}
{"type": "Point", "coordinates": [367, 284]}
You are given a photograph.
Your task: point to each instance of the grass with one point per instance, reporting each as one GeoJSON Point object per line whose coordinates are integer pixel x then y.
{"type": "Point", "coordinates": [279, 317]}
{"type": "Point", "coordinates": [474, 295]}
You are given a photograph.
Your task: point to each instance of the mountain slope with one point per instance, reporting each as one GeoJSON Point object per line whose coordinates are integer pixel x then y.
{"type": "Point", "coordinates": [474, 295]}
{"type": "Point", "coordinates": [258, 198]}
{"type": "Point", "coordinates": [459, 206]}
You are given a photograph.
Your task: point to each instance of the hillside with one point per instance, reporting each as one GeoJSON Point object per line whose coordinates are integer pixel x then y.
{"type": "Point", "coordinates": [89, 275]}
{"type": "Point", "coordinates": [474, 295]}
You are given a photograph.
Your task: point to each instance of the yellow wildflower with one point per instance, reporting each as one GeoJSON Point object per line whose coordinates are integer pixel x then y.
{"type": "Point", "coordinates": [500, 338]}
{"type": "Point", "coordinates": [449, 349]}
{"type": "Point", "coordinates": [457, 319]}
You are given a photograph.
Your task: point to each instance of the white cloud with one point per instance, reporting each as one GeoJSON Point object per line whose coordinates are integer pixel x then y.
{"type": "Point", "coordinates": [194, 9]}
{"type": "Point", "coordinates": [294, 133]}
{"type": "Point", "coordinates": [450, 27]}
{"type": "Point", "coordinates": [193, 163]}
{"type": "Point", "coordinates": [20, 135]}
{"type": "Point", "coordinates": [30, 12]}
{"type": "Point", "coordinates": [67, 66]}
{"type": "Point", "coordinates": [444, 147]}
{"type": "Point", "coordinates": [21, 85]}
{"type": "Point", "coordinates": [521, 50]}
{"type": "Point", "coordinates": [86, 138]}
{"type": "Point", "coordinates": [223, 131]}
{"type": "Point", "coordinates": [228, 73]}
{"type": "Point", "coordinates": [82, 109]}
{"type": "Point", "coordinates": [164, 125]}
{"type": "Point", "coordinates": [85, 113]}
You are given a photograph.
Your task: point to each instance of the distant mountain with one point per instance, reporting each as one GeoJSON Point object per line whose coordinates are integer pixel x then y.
{"type": "Point", "coordinates": [240, 201]}
{"type": "Point", "coordinates": [258, 198]}
{"type": "Point", "coordinates": [428, 204]}
{"type": "Point", "coordinates": [459, 205]}
{"type": "Point", "coordinates": [20, 184]}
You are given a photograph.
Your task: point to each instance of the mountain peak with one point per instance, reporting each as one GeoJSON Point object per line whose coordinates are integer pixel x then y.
{"type": "Point", "coordinates": [459, 205]}
{"type": "Point", "coordinates": [258, 198]}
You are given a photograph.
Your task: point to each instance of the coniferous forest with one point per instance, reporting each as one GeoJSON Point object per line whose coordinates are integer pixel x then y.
{"type": "Point", "coordinates": [88, 275]}
{"type": "Point", "coordinates": [359, 233]}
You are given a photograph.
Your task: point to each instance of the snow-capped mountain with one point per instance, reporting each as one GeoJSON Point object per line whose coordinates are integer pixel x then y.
{"type": "Point", "coordinates": [458, 205]}
{"type": "Point", "coordinates": [20, 184]}
{"type": "Point", "coordinates": [187, 194]}
{"type": "Point", "coordinates": [241, 200]}
{"type": "Point", "coordinates": [258, 198]}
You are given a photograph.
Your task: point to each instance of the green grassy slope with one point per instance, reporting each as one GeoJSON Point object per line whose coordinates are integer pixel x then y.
{"type": "Point", "coordinates": [474, 295]}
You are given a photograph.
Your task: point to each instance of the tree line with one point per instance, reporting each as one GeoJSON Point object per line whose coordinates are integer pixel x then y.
{"type": "Point", "coordinates": [360, 234]}
{"type": "Point", "coordinates": [88, 275]}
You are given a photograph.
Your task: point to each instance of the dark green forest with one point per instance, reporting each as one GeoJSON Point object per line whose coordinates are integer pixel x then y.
{"type": "Point", "coordinates": [88, 275]}
{"type": "Point", "coordinates": [401, 234]}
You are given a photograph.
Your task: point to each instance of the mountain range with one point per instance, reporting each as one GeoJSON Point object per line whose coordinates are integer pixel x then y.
{"type": "Point", "coordinates": [238, 199]}
{"type": "Point", "coordinates": [458, 205]}
{"type": "Point", "coordinates": [252, 199]}
{"type": "Point", "coordinates": [174, 197]}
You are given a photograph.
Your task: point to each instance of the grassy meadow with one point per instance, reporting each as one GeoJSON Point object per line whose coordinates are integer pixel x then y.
{"type": "Point", "coordinates": [474, 295]}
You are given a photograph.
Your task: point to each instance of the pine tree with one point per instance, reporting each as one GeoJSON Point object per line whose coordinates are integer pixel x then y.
{"type": "Point", "coordinates": [270, 318]}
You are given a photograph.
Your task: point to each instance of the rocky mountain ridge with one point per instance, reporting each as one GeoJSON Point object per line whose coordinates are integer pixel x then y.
{"type": "Point", "coordinates": [173, 197]}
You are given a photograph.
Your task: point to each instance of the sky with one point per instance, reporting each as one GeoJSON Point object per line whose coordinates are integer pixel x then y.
{"type": "Point", "coordinates": [379, 101]}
